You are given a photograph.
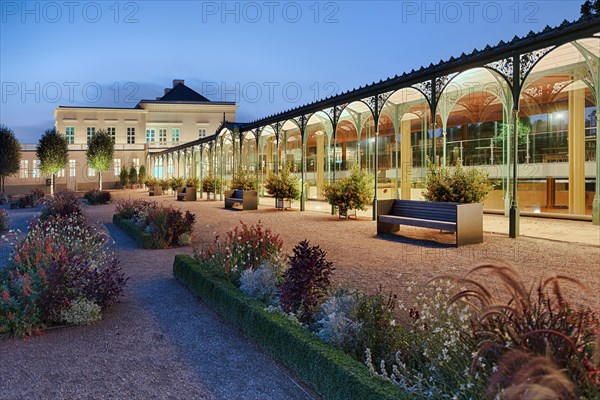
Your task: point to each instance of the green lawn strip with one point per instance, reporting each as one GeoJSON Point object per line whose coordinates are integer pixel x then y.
{"type": "Point", "coordinates": [143, 239]}
{"type": "Point", "coordinates": [331, 372]}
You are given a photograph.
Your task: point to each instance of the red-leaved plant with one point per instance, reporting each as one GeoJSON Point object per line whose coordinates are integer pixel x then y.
{"type": "Point", "coordinates": [306, 281]}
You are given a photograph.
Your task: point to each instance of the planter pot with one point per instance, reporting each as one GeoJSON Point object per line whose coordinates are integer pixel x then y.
{"type": "Point", "coordinates": [156, 191]}
{"type": "Point", "coordinates": [282, 204]}
{"type": "Point", "coordinates": [347, 214]}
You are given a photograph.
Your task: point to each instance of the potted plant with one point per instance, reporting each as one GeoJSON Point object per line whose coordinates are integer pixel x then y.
{"type": "Point", "coordinates": [243, 180]}
{"type": "Point", "coordinates": [455, 184]}
{"type": "Point", "coordinates": [191, 187]}
{"type": "Point", "coordinates": [213, 185]}
{"type": "Point", "coordinates": [164, 184]}
{"type": "Point", "coordinates": [177, 185]}
{"type": "Point", "coordinates": [352, 193]}
{"type": "Point", "coordinates": [142, 174]}
{"type": "Point", "coordinates": [154, 188]}
{"type": "Point", "coordinates": [283, 186]}
{"type": "Point", "coordinates": [123, 178]}
{"type": "Point", "coordinates": [133, 177]}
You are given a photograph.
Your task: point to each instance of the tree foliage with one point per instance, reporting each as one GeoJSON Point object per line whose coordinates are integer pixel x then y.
{"type": "Point", "coordinates": [99, 154]}
{"type": "Point", "coordinates": [100, 151]}
{"type": "Point", "coordinates": [53, 152]}
{"type": "Point", "coordinates": [10, 154]}
{"type": "Point", "coordinates": [589, 8]}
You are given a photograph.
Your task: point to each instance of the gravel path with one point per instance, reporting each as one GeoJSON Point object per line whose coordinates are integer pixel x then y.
{"type": "Point", "coordinates": [158, 343]}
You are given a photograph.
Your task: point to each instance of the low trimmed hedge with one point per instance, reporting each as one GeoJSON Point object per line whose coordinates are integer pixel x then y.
{"type": "Point", "coordinates": [331, 372]}
{"type": "Point", "coordinates": [143, 239]}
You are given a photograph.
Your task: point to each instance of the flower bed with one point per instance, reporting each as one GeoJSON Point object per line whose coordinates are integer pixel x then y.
{"type": "Point", "coordinates": [153, 225]}
{"type": "Point", "coordinates": [96, 197]}
{"type": "Point", "coordinates": [331, 372]}
{"type": "Point", "coordinates": [452, 340]}
{"type": "Point", "coordinates": [62, 272]}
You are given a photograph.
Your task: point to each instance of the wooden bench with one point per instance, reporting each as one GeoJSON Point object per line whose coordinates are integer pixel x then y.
{"type": "Point", "coordinates": [248, 199]}
{"type": "Point", "coordinates": [464, 219]}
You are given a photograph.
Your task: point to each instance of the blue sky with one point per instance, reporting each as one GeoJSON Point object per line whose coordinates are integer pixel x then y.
{"type": "Point", "coordinates": [267, 56]}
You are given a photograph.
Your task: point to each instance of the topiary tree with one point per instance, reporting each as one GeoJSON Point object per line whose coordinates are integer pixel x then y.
{"type": "Point", "coordinates": [142, 174]}
{"type": "Point", "coordinates": [53, 152]}
{"type": "Point", "coordinates": [100, 153]}
{"type": "Point", "coordinates": [10, 154]}
{"type": "Point", "coordinates": [123, 177]}
{"type": "Point", "coordinates": [133, 175]}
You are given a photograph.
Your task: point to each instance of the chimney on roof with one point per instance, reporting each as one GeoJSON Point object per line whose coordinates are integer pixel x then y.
{"type": "Point", "coordinates": [177, 82]}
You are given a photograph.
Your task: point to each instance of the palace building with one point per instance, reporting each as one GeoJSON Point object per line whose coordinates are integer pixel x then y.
{"type": "Point", "coordinates": [181, 115]}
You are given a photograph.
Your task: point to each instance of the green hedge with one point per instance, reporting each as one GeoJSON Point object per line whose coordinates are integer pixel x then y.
{"type": "Point", "coordinates": [143, 239]}
{"type": "Point", "coordinates": [331, 372]}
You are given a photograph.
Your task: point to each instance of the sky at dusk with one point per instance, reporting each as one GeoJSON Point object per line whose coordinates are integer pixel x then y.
{"type": "Point", "coordinates": [268, 56]}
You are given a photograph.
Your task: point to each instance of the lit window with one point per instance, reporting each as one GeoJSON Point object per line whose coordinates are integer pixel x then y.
{"type": "Point", "coordinates": [61, 173]}
{"type": "Point", "coordinates": [130, 135]}
{"type": "Point", "coordinates": [136, 163]}
{"type": "Point", "coordinates": [150, 135]}
{"type": "Point", "coordinates": [24, 171]}
{"type": "Point", "coordinates": [90, 132]}
{"type": "Point", "coordinates": [70, 133]}
{"type": "Point", "coordinates": [35, 172]}
{"type": "Point", "coordinates": [170, 167]}
{"type": "Point", "coordinates": [175, 135]}
{"type": "Point", "coordinates": [117, 166]}
{"type": "Point", "coordinates": [201, 132]}
{"type": "Point", "coordinates": [162, 135]}
{"type": "Point", "coordinates": [72, 165]}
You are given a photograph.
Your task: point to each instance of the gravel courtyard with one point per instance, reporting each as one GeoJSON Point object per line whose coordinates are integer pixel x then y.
{"type": "Point", "coordinates": [160, 342]}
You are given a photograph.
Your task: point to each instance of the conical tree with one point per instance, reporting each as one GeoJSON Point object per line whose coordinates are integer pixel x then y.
{"type": "Point", "coordinates": [53, 152]}
{"type": "Point", "coordinates": [10, 154]}
{"type": "Point", "coordinates": [100, 153]}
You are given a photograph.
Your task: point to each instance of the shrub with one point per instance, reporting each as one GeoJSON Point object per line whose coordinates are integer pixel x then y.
{"type": "Point", "coordinates": [167, 224]}
{"type": "Point", "coordinates": [261, 283]}
{"type": "Point", "coordinates": [337, 320]}
{"type": "Point", "coordinates": [30, 199]}
{"type": "Point", "coordinates": [124, 177]}
{"type": "Point", "coordinates": [354, 192]}
{"type": "Point", "coordinates": [537, 320]}
{"type": "Point", "coordinates": [63, 203]}
{"type": "Point", "coordinates": [456, 184]}
{"type": "Point", "coordinates": [135, 210]}
{"type": "Point", "coordinates": [210, 184]}
{"type": "Point", "coordinates": [306, 282]}
{"type": "Point", "coordinates": [243, 180]}
{"type": "Point", "coordinates": [133, 175]}
{"type": "Point", "coordinates": [164, 184]}
{"type": "Point", "coordinates": [185, 239]}
{"type": "Point", "coordinates": [283, 186]}
{"type": "Point", "coordinates": [192, 182]}
{"type": "Point", "coordinates": [4, 220]}
{"type": "Point", "coordinates": [142, 174]}
{"type": "Point", "coordinates": [247, 247]}
{"type": "Point", "coordinates": [95, 197]}
{"type": "Point", "coordinates": [176, 183]}
{"type": "Point", "coordinates": [81, 312]}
